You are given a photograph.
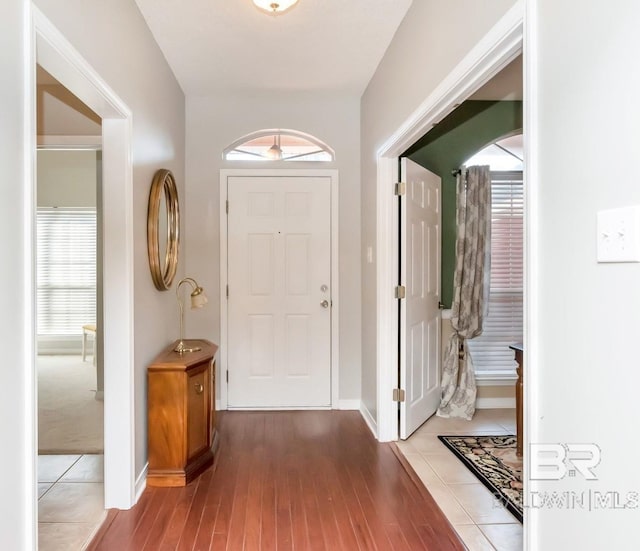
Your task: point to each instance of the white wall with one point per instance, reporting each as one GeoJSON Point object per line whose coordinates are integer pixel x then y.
{"type": "Point", "coordinates": [17, 514]}
{"type": "Point", "coordinates": [585, 377]}
{"type": "Point", "coordinates": [215, 122]}
{"type": "Point", "coordinates": [66, 178]}
{"type": "Point", "coordinates": [114, 39]}
{"type": "Point", "coordinates": [433, 37]}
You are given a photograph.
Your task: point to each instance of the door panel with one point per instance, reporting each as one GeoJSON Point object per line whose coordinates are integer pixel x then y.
{"type": "Point", "coordinates": [279, 259]}
{"type": "Point", "coordinates": [419, 312]}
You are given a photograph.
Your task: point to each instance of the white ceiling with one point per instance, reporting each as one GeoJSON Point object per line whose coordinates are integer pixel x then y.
{"type": "Point", "coordinates": [231, 46]}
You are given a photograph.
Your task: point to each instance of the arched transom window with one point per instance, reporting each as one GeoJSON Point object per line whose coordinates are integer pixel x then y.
{"type": "Point", "coordinates": [278, 145]}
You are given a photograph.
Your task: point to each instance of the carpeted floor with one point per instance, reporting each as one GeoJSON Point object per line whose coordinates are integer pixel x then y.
{"type": "Point", "coordinates": [70, 419]}
{"type": "Point", "coordinates": [493, 460]}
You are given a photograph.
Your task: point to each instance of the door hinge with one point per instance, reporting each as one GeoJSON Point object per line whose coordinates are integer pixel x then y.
{"type": "Point", "coordinates": [227, 206]}
{"type": "Point", "coordinates": [227, 375]}
{"type": "Point", "coordinates": [227, 291]}
{"type": "Point", "coordinates": [398, 395]}
{"type": "Point", "coordinates": [400, 188]}
{"type": "Point", "coordinates": [440, 305]}
{"type": "Point", "coordinates": [401, 291]}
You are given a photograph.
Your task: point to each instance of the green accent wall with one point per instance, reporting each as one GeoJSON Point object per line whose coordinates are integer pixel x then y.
{"type": "Point", "coordinates": [461, 134]}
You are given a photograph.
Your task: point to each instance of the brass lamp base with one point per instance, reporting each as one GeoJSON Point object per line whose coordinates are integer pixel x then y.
{"type": "Point", "coordinates": [181, 348]}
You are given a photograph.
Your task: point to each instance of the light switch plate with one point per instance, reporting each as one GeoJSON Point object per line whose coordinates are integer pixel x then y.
{"type": "Point", "coordinates": [619, 235]}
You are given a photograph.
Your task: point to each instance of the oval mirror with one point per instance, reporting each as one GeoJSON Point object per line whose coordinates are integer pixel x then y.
{"type": "Point", "coordinates": [163, 229]}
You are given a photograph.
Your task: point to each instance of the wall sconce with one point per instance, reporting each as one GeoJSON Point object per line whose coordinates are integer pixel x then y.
{"type": "Point", "coordinates": [198, 300]}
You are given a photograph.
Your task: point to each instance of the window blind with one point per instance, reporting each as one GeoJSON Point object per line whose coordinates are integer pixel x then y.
{"type": "Point", "coordinates": [66, 270]}
{"type": "Point", "coordinates": [503, 326]}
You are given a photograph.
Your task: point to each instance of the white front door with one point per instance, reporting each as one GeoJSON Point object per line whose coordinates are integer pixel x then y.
{"type": "Point", "coordinates": [419, 311]}
{"type": "Point", "coordinates": [279, 305]}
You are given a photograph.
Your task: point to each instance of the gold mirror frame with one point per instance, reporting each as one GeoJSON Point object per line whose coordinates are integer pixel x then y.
{"type": "Point", "coordinates": [163, 270]}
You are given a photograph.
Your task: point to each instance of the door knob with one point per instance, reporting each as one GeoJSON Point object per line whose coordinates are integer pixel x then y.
{"type": "Point", "coordinates": [325, 304]}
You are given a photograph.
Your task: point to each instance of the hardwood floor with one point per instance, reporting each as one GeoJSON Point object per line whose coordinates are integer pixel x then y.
{"type": "Point", "coordinates": [289, 480]}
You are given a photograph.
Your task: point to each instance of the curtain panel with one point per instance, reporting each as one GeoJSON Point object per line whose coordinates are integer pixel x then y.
{"type": "Point", "coordinates": [471, 290]}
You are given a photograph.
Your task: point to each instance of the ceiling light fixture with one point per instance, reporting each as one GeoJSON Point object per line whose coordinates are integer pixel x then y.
{"type": "Point", "coordinates": [275, 151]}
{"type": "Point", "coordinates": [275, 7]}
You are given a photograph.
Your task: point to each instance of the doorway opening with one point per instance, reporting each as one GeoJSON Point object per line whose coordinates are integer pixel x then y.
{"type": "Point", "coordinates": [60, 60]}
{"type": "Point", "coordinates": [502, 47]}
{"type": "Point", "coordinates": [68, 287]}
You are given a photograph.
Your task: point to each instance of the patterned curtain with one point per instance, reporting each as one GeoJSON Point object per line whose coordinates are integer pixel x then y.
{"type": "Point", "coordinates": [471, 290]}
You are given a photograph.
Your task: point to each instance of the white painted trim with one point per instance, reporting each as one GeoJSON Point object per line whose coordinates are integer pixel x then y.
{"type": "Point", "coordinates": [141, 482]}
{"type": "Point", "coordinates": [332, 174]}
{"type": "Point", "coordinates": [224, 310]}
{"type": "Point", "coordinates": [27, 500]}
{"type": "Point", "coordinates": [369, 419]}
{"type": "Point", "coordinates": [495, 403]}
{"type": "Point", "coordinates": [492, 53]}
{"type": "Point", "coordinates": [58, 57]}
{"type": "Point", "coordinates": [533, 259]}
{"type": "Point", "coordinates": [281, 408]}
{"type": "Point", "coordinates": [335, 286]}
{"type": "Point", "coordinates": [387, 318]}
{"type": "Point", "coordinates": [73, 142]}
{"type": "Point", "coordinates": [350, 405]}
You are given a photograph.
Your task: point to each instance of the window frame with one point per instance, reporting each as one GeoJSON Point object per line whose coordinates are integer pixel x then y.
{"type": "Point", "coordinates": [280, 132]}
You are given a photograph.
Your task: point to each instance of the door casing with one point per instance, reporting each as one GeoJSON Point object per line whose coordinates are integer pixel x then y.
{"type": "Point", "coordinates": [332, 174]}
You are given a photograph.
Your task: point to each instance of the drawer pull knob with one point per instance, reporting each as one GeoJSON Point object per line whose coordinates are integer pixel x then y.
{"type": "Point", "coordinates": [199, 388]}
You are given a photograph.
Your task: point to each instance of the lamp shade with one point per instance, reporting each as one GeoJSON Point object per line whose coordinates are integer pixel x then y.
{"type": "Point", "coordinates": [275, 7]}
{"type": "Point", "coordinates": [198, 298]}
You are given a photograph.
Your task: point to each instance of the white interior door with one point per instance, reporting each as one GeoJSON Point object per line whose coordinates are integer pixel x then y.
{"type": "Point", "coordinates": [419, 311]}
{"type": "Point", "coordinates": [279, 305]}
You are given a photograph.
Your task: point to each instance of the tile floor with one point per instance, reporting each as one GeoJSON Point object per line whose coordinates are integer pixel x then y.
{"type": "Point", "coordinates": [482, 523]}
{"type": "Point", "coordinates": [70, 500]}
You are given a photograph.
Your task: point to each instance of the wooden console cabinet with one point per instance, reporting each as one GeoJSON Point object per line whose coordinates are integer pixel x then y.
{"type": "Point", "coordinates": [181, 414]}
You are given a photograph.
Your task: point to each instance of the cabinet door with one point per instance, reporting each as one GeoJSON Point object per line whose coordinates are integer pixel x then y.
{"type": "Point", "coordinates": [198, 397]}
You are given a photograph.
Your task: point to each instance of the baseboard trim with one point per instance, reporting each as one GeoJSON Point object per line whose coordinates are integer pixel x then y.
{"type": "Point", "coordinates": [351, 405]}
{"type": "Point", "coordinates": [141, 482]}
{"type": "Point", "coordinates": [369, 420]}
{"type": "Point", "coordinates": [347, 405]}
{"type": "Point", "coordinates": [495, 403]}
